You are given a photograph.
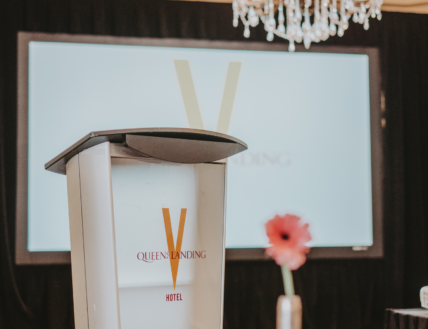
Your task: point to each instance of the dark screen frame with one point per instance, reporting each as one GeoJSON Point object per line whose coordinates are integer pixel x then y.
{"type": "Point", "coordinates": [24, 257]}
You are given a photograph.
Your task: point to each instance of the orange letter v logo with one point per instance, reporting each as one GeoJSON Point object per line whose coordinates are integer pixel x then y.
{"type": "Point", "coordinates": [174, 252]}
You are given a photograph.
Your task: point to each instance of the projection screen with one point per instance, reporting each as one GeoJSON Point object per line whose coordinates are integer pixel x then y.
{"type": "Point", "coordinates": [311, 120]}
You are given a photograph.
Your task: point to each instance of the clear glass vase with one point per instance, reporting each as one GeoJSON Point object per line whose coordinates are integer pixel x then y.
{"type": "Point", "coordinates": [289, 312]}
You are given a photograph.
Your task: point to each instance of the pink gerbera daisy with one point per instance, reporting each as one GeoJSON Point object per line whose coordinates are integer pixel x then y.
{"type": "Point", "coordinates": [288, 237]}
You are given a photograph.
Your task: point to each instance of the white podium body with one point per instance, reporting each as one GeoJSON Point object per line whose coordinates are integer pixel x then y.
{"type": "Point", "coordinates": [147, 227]}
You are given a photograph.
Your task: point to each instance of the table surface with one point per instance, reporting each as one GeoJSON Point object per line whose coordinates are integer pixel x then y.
{"type": "Point", "coordinates": [419, 312]}
{"type": "Point", "coordinates": [414, 318]}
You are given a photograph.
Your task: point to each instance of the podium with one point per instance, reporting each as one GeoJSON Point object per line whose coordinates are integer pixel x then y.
{"type": "Point", "coordinates": [147, 227]}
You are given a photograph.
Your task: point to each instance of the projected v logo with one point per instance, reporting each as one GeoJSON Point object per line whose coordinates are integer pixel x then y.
{"type": "Point", "coordinates": [190, 99]}
{"type": "Point", "coordinates": [174, 251]}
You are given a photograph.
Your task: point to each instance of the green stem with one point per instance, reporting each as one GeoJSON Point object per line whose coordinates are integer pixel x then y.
{"type": "Point", "coordinates": [287, 276]}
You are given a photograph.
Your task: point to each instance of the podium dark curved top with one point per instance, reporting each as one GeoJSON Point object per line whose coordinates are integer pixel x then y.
{"type": "Point", "coordinates": [179, 145]}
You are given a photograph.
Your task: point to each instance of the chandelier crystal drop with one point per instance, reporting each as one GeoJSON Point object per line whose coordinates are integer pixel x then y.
{"type": "Point", "coordinates": [294, 22]}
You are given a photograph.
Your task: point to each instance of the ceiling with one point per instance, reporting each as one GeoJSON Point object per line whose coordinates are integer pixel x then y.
{"type": "Point", "coordinates": [404, 6]}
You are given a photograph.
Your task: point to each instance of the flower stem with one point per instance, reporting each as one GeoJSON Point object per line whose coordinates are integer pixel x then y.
{"type": "Point", "coordinates": [287, 276]}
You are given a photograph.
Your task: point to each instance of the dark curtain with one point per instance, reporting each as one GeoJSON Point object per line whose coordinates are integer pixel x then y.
{"type": "Point", "coordinates": [336, 294]}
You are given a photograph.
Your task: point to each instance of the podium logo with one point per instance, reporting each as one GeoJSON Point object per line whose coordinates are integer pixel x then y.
{"type": "Point", "coordinates": [174, 249]}
{"type": "Point", "coordinates": [174, 253]}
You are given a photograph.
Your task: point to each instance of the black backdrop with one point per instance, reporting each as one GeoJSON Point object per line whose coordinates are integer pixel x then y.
{"type": "Point", "coordinates": [336, 294]}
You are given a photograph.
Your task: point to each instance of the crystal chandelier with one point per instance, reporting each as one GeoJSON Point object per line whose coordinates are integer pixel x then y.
{"type": "Point", "coordinates": [330, 17]}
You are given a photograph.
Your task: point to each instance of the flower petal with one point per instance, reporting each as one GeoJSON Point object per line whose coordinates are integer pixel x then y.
{"type": "Point", "coordinates": [291, 251]}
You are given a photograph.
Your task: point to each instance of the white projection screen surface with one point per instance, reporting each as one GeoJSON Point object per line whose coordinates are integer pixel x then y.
{"type": "Point", "coordinates": [311, 121]}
